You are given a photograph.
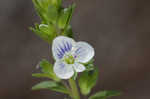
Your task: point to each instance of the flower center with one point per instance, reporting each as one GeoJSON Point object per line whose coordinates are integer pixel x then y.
{"type": "Point", "coordinates": [69, 59]}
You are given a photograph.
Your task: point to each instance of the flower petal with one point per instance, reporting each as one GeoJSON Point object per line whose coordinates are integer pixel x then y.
{"type": "Point", "coordinates": [61, 45]}
{"type": "Point", "coordinates": [79, 67]}
{"type": "Point", "coordinates": [83, 52]}
{"type": "Point", "coordinates": [62, 70]}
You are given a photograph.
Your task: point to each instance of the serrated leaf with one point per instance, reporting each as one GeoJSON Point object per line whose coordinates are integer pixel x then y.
{"type": "Point", "coordinates": [54, 86]}
{"type": "Point", "coordinates": [104, 94]}
{"type": "Point", "coordinates": [88, 80]}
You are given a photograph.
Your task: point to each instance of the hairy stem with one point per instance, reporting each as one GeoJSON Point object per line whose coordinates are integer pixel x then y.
{"type": "Point", "coordinates": [74, 89]}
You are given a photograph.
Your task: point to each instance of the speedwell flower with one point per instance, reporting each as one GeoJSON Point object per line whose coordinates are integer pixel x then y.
{"type": "Point", "coordinates": [70, 55]}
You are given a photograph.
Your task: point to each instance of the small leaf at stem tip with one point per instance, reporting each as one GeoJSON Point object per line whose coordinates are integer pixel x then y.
{"type": "Point", "coordinates": [52, 85]}
{"type": "Point", "coordinates": [104, 94]}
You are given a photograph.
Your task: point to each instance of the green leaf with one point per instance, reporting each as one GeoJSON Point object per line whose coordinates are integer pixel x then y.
{"type": "Point", "coordinates": [52, 85]}
{"type": "Point", "coordinates": [47, 71]}
{"type": "Point", "coordinates": [47, 9]}
{"type": "Point", "coordinates": [104, 94]}
{"type": "Point", "coordinates": [41, 75]}
{"type": "Point", "coordinates": [46, 66]}
{"type": "Point", "coordinates": [65, 17]}
{"type": "Point", "coordinates": [88, 80]}
{"type": "Point", "coordinates": [46, 32]}
{"type": "Point", "coordinates": [41, 8]}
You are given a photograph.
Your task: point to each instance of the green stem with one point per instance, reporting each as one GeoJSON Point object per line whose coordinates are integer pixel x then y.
{"type": "Point", "coordinates": [74, 89]}
{"type": "Point", "coordinates": [68, 88]}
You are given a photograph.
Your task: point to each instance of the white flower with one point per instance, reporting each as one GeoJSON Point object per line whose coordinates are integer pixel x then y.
{"type": "Point", "coordinates": [69, 55]}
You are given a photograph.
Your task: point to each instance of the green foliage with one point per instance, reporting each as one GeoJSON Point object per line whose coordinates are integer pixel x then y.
{"type": "Point", "coordinates": [47, 71]}
{"type": "Point", "coordinates": [87, 81]}
{"type": "Point", "coordinates": [104, 94]}
{"type": "Point", "coordinates": [51, 85]}
{"type": "Point", "coordinates": [46, 32]}
{"type": "Point", "coordinates": [47, 9]}
{"type": "Point", "coordinates": [65, 17]}
{"type": "Point", "coordinates": [54, 19]}
{"type": "Point", "coordinates": [41, 75]}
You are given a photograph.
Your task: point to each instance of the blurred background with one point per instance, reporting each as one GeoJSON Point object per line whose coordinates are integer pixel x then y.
{"type": "Point", "coordinates": [119, 30]}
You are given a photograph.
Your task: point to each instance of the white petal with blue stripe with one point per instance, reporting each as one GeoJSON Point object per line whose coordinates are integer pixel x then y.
{"type": "Point", "coordinates": [63, 70]}
{"type": "Point", "coordinates": [83, 52]}
{"type": "Point", "coordinates": [61, 45]}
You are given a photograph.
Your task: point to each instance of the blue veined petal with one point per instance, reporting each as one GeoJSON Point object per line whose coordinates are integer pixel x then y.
{"type": "Point", "coordinates": [63, 70]}
{"type": "Point", "coordinates": [69, 46]}
{"type": "Point", "coordinates": [62, 49]}
{"type": "Point", "coordinates": [59, 53]}
{"type": "Point", "coordinates": [83, 52]}
{"type": "Point", "coordinates": [61, 45]}
{"type": "Point", "coordinates": [65, 47]}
